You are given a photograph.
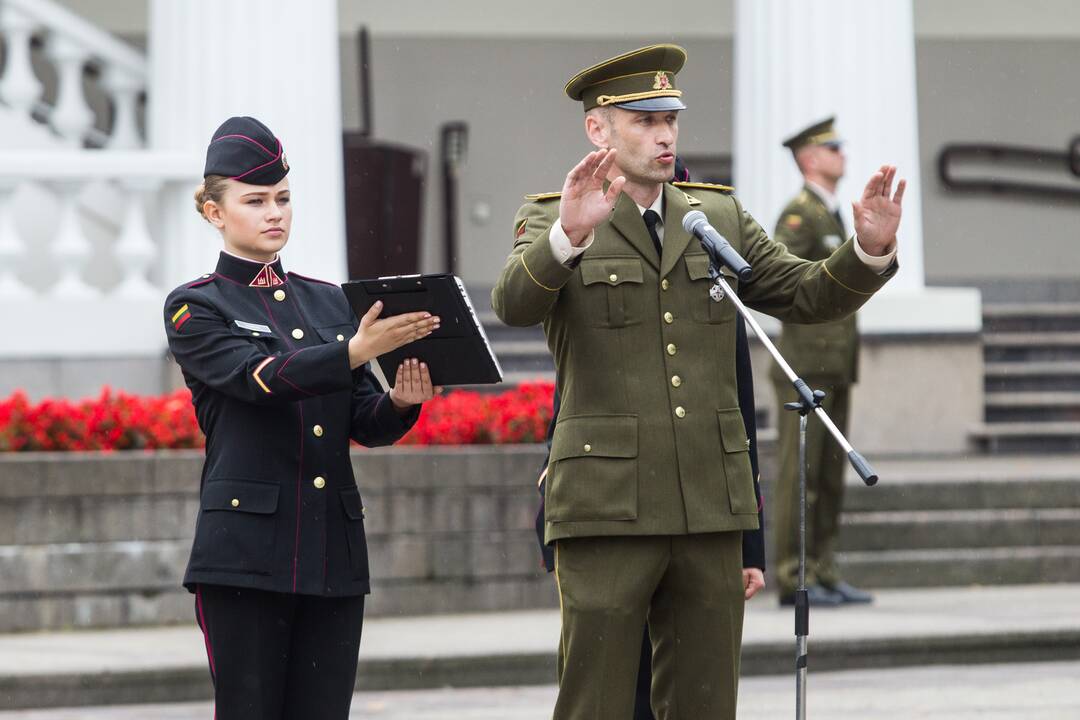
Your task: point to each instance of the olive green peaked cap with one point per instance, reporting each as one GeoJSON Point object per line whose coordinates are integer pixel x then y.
{"type": "Point", "coordinates": [642, 79]}
{"type": "Point", "coordinates": [820, 133]}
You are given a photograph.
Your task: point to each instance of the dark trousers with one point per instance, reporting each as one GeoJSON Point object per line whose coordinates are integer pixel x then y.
{"type": "Point", "coordinates": [276, 656]}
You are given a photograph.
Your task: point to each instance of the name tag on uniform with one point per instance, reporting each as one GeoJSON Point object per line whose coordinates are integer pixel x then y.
{"type": "Point", "coordinates": [253, 327]}
{"type": "Point", "coordinates": [833, 241]}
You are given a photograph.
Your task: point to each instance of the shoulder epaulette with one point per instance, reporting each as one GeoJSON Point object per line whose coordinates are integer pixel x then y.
{"type": "Point", "coordinates": [704, 186]}
{"type": "Point", "coordinates": [200, 282]}
{"type": "Point", "coordinates": [310, 279]}
{"type": "Point", "coordinates": [539, 197]}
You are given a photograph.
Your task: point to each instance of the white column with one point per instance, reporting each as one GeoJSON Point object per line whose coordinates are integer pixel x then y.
{"type": "Point", "coordinates": [797, 62]}
{"type": "Point", "coordinates": [276, 60]}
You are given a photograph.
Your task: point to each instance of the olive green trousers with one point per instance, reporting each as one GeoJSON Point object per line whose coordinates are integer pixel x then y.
{"type": "Point", "coordinates": [688, 588]}
{"type": "Point", "coordinates": [826, 464]}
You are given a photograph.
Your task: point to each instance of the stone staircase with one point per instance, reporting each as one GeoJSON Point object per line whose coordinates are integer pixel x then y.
{"type": "Point", "coordinates": [978, 521]}
{"type": "Point", "coordinates": [1032, 371]}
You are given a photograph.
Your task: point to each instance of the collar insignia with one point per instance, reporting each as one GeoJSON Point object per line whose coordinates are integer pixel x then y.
{"type": "Point", "coordinates": [266, 278]}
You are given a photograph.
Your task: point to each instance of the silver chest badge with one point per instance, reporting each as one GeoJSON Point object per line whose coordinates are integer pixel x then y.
{"type": "Point", "coordinates": [716, 292]}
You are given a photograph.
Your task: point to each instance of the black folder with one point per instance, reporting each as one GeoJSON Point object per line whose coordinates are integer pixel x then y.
{"type": "Point", "coordinates": [458, 353]}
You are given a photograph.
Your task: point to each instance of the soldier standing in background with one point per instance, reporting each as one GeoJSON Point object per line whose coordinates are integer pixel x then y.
{"type": "Point", "coordinates": [826, 356]}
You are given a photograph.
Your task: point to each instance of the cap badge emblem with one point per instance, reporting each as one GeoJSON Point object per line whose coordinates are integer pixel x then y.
{"type": "Point", "coordinates": [284, 162]}
{"type": "Point", "coordinates": [662, 82]}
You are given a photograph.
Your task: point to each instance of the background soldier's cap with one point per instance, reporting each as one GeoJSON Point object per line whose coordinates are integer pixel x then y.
{"type": "Point", "coordinates": [244, 149]}
{"type": "Point", "coordinates": [821, 133]}
{"type": "Point", "coordinates": [642, 79]}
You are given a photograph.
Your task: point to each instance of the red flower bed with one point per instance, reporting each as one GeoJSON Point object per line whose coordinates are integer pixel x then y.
{"type": "Point", "coordinates": [111, 421]}
{"type": "Point", "coordinates": [120, 421]}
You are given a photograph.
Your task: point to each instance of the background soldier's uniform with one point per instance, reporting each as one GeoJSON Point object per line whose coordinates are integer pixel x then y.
{"type": "Point", "coordinates": [826, 355]}
{"type": "Point", "coordinates": [650, 473]}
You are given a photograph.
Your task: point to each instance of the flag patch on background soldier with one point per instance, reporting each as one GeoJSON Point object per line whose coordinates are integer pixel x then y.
{"type": "Point", "coordinates": [793, 221]}
{"type": "Point", "coordinates": [181, 316]}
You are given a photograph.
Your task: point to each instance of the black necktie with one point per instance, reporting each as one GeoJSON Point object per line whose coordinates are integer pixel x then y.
{"type": "Point", "coordinates": [651, 218]}
{"type": "Point", "coordinates": [840, 221]}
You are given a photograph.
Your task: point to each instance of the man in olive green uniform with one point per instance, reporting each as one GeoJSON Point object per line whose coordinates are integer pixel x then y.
{"type": "Point", "coordinates": [826, 355]}
{"type": "Point", "coordinates": [649, 485]}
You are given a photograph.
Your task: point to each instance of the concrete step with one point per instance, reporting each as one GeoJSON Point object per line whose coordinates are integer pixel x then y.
{"type": "Point", "coordinates": [901, 628]}
{"type": "Point", "coordinates": [1027, 437]}
{"type": "Point", "coordinates": [962, 566]}
{"type": "Point", "coordinates": [1044, 376]}
{"type": "Point", "coordinates": [1032, 406]}
{"type": "Point", "coordinates": [1015, 317]}
{"type": "Point", "coordinates": [929, 529]}
{"type": "Point", "coordinates": [524, 357]}
{"type": "Point", "coordinates": [1031, 346]}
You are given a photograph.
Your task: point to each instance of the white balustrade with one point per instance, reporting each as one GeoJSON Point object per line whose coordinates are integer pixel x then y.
{"type": "Point", "coordinates": [71, 249]}
{"type": "Point", "coordinates": [124, 87]}
{"type": "Point", "coordinates": [135, 249]}
{"type": "Point", "coordinates": [19, 87]}
{"type": "Point", "coordinates": [71, 43]}
{"type": "Point", "coordinates": [118, 310]}
{"type": "Point", "coordinates": [12, 246]}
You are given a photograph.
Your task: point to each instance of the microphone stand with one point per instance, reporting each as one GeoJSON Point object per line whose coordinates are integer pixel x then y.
{"type": "Point", "coordinates": [809, 401]}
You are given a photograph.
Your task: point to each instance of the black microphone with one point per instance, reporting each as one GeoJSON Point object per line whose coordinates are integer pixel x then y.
{"type": "Point", "coordinates": [719, 249]}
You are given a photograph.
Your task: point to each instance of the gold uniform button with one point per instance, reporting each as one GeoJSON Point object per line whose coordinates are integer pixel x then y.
{"type": "Point", "coordinates": [279, 295]}
{"type": "Point", "coordinates": [319, 483]}
{"type": "Point", "coordinates": [235, 502]}
{"type": "Point", "coordinates": [676, 381]}
{"type": "Point", "coordinates": [680, 412]}
{"type": "Point", "coordinates": [317, 430]}
{"type": "Point", "coordinates": [613, 277]}
{"type": "Point", "coordinates": [298, 333]}
{"type": "Point", "coordinates": [664, 284]}
{"type": "Point", "coordinates": [671, 349]}
{"type": "Point", "coordinates": [669, 318]}
{"type": "Point", "coordinates": [340, 337]}
{"type": "Point", "coordinates": [588, 447]}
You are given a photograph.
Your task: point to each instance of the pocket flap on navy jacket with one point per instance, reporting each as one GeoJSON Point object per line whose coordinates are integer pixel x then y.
{"type": "Point", "coordinates": [609, 436]}
{"type": "Point", "coordinates": [732, 430]}
{"type": "Point", "coordinates": [336, 333]}
{"type": "Point", "coordinates": [248, 496]}
{"type": "Point", "coordinates": [611, 271]}
{"type": "Point", "coordinates": [354, 506]}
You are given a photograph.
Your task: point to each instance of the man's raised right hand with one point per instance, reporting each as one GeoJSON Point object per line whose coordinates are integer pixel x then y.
{"type": "Point", "coordinates": [584, 204]}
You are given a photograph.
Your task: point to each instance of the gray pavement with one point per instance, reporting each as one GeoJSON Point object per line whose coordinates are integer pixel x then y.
{"type": "Point", "coordinates": [1032, 691]}
{"type": "Point", "coordinates": [934, 612]}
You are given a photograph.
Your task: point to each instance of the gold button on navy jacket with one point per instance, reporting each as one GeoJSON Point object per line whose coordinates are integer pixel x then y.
{"type": "Point", "coordinates": [280, 509]}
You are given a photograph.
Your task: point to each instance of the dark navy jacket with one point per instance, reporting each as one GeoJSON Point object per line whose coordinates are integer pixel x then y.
{"type": "Point", "coordinates": [753, 541]}
{"type": "Point", "coordinates": [265, 354]}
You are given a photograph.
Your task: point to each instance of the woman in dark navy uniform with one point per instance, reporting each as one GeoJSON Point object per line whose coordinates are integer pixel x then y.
{"type": "Point", "coordinates": [277, 367]}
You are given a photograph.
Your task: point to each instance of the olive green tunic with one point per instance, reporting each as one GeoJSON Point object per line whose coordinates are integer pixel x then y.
{"type": "Point", "coordinates": [649, 439]}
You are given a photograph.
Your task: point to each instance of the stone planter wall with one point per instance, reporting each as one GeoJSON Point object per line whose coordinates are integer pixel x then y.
{"type": "Point", "coordinates": [101, 540]}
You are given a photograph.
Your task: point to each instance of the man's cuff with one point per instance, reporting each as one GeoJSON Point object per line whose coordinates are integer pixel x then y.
{"type": "Point", "coordinates": [877, 263]}
{"type": "Point", "coordinates": [561, 248]}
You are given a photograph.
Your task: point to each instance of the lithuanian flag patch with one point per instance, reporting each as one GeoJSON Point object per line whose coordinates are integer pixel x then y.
{"type": "Point", "coordinates": [181, 316]}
